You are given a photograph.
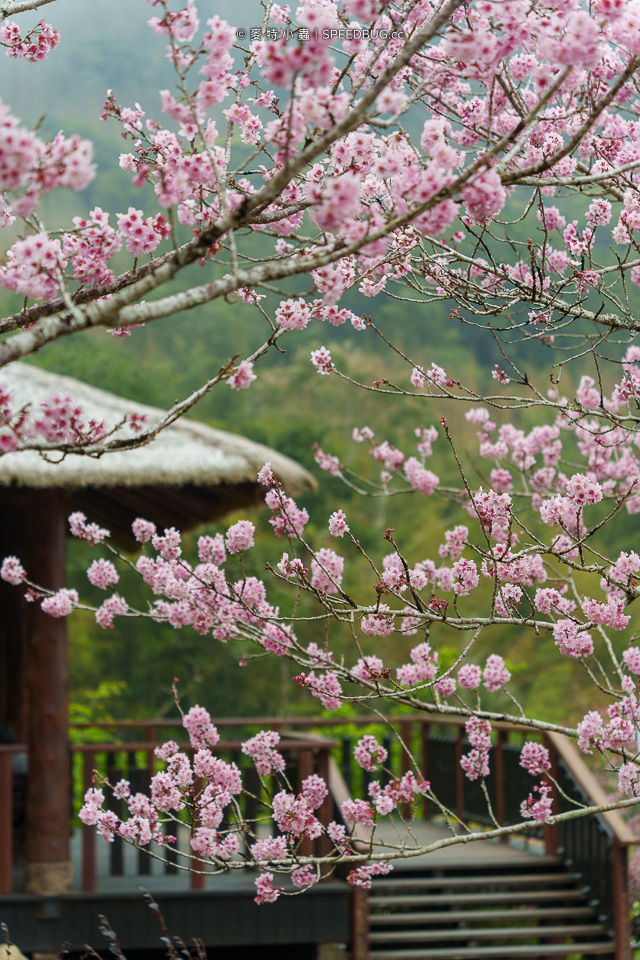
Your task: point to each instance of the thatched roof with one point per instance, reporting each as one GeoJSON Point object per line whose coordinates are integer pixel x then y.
{"type": "Point", "coordinates": [188, 474]}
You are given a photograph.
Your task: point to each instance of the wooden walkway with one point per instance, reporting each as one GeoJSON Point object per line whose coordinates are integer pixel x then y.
{"type": "Point", "coordinates": [388, 835]}
{"type": "Point", "coordinates": [423, 833]}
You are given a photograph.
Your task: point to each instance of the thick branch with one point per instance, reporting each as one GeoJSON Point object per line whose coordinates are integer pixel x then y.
{"type": "Point", "coordinates": [10, 8]}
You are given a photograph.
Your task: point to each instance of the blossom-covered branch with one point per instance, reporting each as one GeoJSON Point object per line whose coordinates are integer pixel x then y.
{"type": "Point", "coordinates": [532, 553]}
{"type": "Point", "coordinates": [344, 194]}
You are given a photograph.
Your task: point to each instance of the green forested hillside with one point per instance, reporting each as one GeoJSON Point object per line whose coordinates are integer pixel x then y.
{"type": "Point", "coordinates": [127, 671]}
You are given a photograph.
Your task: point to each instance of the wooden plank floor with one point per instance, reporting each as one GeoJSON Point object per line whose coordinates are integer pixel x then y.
{"type": "Point", "coordinates": [423, 833]}
{"type": "Point", "coordinates": [387, 836]}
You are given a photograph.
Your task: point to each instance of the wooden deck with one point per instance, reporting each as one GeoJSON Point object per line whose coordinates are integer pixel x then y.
{"type": "Point", "coordinates": [223, 914]}
{"type": "Point", "coordinates": [480, 852]}
{"type": "Point", "coordinates": [108, 879]}
{"type": "Point", "coordinates": [387, 835]}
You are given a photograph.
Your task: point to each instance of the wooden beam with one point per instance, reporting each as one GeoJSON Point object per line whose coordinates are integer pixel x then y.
{"type": "Point", "coordinates": [48, 869]}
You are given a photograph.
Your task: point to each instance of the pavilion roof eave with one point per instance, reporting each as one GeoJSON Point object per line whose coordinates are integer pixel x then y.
{"type": "Point", "coordinates": [190, 471]}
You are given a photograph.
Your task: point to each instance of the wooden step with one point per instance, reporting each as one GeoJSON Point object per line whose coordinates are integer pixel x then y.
{"type": "Point", "coordinates": [487, 880]}
{"type": "Point", "coordinates": [455, 899]}
{"type": "Point", "coordinates": [583, 949]}
{"type": "Point", "coordinates": [588, 930]}
{"type": "Point", "coordinates": [406, 918]}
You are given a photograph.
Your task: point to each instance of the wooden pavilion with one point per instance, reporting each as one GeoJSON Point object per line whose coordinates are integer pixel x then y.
{"type": "Point", "coordinates": [560, 891]}
{"type": "Point", "coordinates": [189, 475]}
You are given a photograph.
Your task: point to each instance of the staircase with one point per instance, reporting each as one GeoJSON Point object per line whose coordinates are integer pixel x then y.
{"type": "Point", "coordinates": [539, 909]}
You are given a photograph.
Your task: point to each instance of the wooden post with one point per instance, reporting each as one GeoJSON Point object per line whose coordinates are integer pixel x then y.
{"type": "Point", "coordinates": [459, 775]}
{"type": "Point", "coordinates": [621, 904]}
{"type": "Point", "coordinates": [359, 924]}
{"type": "Point", "coordinates": [198, 874]}
{"type": "Point", "coordinates": [13, 623]}
{"type": "Point", "coordinates": [499, 781]}
{"type": "Point", "coordinates": [89, 880]}
{"type": "Point", "coordinates": [550, 830]}
{"type": "Point", "coordinates": [48, 869]}
{"type": "Point", "coordinates": [6, 821]}
{"type": "Point", "coordinates": [424, 765]}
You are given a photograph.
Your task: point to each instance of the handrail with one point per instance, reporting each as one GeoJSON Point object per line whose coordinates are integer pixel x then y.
{"type": "Point", "coordinates": [616, 826]}
{"type": "Point", "coordinates": [287, 743]}
{"type": "Point", "coordinates": [561, 744]}
{"type": "Point", "coordinates": [446, 720]}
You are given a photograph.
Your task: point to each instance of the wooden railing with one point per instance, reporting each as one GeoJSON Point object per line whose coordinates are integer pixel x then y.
{"type": "Point", "coordinates": [136, 762]}
{"type": "Point", "coordinates": [595, 846]}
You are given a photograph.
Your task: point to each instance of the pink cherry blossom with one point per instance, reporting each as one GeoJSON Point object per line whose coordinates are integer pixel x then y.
{"type": "Point", "coordinates": [12, 571]}
{"type": "Point", "coordinates": [240, 536]}
{"type": "Point", "coordinates": [102, 573]}
{"type": "Point", "coordinates": [61, 603]}
{"type": "Point", "coordinates": [242, 377]}
{"type": "Point", "coordinates": [534, 757]}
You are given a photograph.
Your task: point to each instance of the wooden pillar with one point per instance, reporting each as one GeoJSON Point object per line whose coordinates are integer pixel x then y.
{"type": "Point", "coordinates": [359, 924]}
{"type": "Point", "coordinates": [48, 869]}
{"type": "Point", "coordinates": [621, 902]}
{"type": "Point", "coordinates": [6, 818]}
{"type": "Point", "coordinates": [13, 621]}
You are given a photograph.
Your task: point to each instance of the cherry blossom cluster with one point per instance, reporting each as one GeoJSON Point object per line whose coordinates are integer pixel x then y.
{"type": "Point", "coordinates": [30, 167]}
{"type": "Point", "coordinates": [476, 763]}
{"type": "Point", "coordinates": [539, 804]}
{"type": "Point", "coordinates": [59, 422]}
{"type": "Point", "coordinates": [369, 752]}
{"type": "Point", "coordinates": [34, 46]}
{"type": "Point", "coordinates": [199, 787]}
{"type": "Point", "coordinates": [490, 547]}
{"type": "Point", "coordinates": [350, 165]}
{"type": "Point", "coordinates": [527, 112]}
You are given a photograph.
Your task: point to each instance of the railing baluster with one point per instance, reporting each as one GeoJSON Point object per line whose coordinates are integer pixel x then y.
{"type": "Point", "coordinates": [325, 812]}
{"type": "Point", "coordinates": [424, 760]}
{"type": "Point", "coordinates": [501, 740]}
{"type": "Point", "coordinates": [346, 762]}
{"type": "Point", "coordinates": [405, 760]}
{"type": "Point", "coordinates": [139, 784]}
{"type": "Point", "coordinates": [387, 743]}
{"type": "Point", "coordinates": [550, 830]}
{"type": "Point", "coordinates": [305, 769]}
{"type": "Point", "coordinates": [116, 849]}
{"type": "Point", "coordinates": [89, 856]}
{"type": "Point", "coordinates": [459, 774]}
